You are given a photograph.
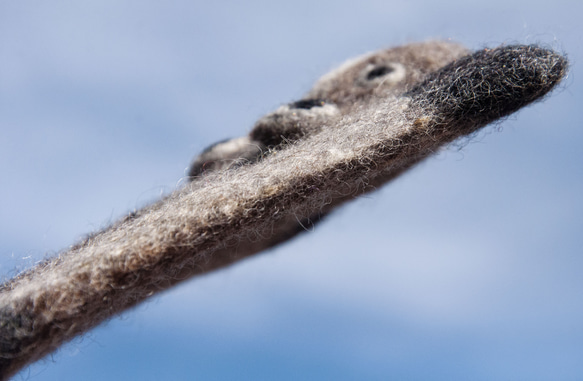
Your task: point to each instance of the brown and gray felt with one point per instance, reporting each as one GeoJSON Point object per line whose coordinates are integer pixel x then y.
{"type": "Point", "coordinates": [361, 125]}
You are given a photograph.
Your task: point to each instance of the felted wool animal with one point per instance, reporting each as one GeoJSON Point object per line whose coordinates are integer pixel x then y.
{"type": "Point", "coordinates": [360, 126]}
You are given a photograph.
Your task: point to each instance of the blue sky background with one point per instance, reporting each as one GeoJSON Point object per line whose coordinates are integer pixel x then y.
{"type": "Point", "coordinates": [468, 267]}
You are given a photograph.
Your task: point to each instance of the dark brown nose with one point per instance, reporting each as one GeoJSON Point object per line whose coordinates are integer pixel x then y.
{"type": "Point", "coordinates": [491, 83]}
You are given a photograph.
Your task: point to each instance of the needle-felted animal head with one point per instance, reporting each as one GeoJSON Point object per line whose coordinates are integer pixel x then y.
{"type": "Point", "coordinates": [360, 126]}
{"type": "Point", "coordinates": [339, 93]}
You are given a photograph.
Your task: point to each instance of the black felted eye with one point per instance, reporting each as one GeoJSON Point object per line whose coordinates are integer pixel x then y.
{"type": "Point", "coordinates": [379, 71]}
{"type": "Point", "coordinates": [307, 104]}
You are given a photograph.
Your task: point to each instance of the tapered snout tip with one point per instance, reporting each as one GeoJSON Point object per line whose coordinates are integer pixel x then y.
{"type": "Point", "coordinates": [491, 83]}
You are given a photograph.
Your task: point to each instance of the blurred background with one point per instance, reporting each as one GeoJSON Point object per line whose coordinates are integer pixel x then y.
{"type": "Point", "coordinates": [467, 267]}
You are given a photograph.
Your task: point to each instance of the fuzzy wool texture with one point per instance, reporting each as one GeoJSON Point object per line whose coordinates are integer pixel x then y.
{"type": "Point", "coordinates": [305, 165]}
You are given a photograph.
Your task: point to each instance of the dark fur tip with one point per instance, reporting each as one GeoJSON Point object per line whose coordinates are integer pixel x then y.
{"type": "Point", "coordinates": [491, 83]}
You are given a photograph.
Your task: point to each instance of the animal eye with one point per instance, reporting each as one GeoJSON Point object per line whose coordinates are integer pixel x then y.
{"type": "Point", "coordinates": [388, 74]}
{"type": "Point", "coordinates": [379, 71]}
{"type": "Point", "coordinates": [307, 104]}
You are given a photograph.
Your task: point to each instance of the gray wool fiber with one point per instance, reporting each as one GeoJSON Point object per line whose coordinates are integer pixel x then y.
{"type": "Point", "coordinates": [360, 126]}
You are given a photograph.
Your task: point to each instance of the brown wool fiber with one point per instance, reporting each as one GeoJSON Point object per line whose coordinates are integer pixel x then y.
{"type": "Point", "coordinates": [360, 126]}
